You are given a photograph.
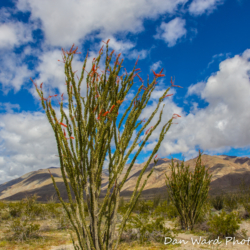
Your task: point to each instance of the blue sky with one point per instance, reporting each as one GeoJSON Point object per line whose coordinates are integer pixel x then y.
{"type": "Point", "coordinates": [205, 44]}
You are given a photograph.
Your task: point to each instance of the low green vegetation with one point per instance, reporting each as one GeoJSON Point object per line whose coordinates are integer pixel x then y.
{"type": "Point", "coordinates": [224, 224]}
{"type": "Point", "coordinates": [40, 225]}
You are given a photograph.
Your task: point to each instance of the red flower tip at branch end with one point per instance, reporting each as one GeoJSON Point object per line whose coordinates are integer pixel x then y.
{"type": "Point", "coordinates": [52, 96]}
{"type": "Point", "coordinates": [172, 83]}
{"type": "Point", "coordinates": [149, 129]}
{"type": "Point", "coordinates": [177, 115]}
{"type": "Point", "coordinates": [139, 77]}
{"type": "Point", "coordinates": [167, 95]}
{"type": "Point", "coordinates": [119, 101]}
{"type": "Point", "coordinates": [155, 156]}
{"type": "Point", "coordinates": [70, 137]}
{"type": "Point", "coordinates": [33, 82]}
{"type": "Point", "coordinates": [101, 50]}
{"type": "Point", "coordinates": [177, 86]}
{"type": "Point", "coordinates": [105, 113]}
{"type": "Point", "coordinates": [106, 42]}
{"type": "Point", "coordinates": [73, 51]}
{"type": "Point", "coordinates": [137, 60]}
{"type": "Point", "coordinates": [158, 75]}
{"type": "Point", "coordinates": [112, 108]}
{"type": "Point", "coordinates": [63, 124]}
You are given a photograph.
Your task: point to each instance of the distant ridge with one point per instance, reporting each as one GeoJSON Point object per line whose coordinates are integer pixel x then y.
{"type": "Point", "coordinates": [227, 174]}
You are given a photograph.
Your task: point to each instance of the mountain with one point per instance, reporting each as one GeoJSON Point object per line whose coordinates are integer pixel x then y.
{"type": "Point", "coordinates": [227, 173]}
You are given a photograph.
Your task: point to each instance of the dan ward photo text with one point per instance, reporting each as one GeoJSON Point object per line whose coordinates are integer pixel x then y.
{"type": "Point", "coordinates": [200, 241]}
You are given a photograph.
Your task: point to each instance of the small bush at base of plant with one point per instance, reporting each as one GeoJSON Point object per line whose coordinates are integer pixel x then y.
{"type": "Point", "coordinates": [224, 225]}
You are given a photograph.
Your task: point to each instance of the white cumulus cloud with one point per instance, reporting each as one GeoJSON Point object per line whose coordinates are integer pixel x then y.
{"type": "Point", "coordinates": [199, 7]}
{"type": "Point", "coordinates": [219, 126]}
{"type": "Point", "coordinates": [66, 22]}
{"type": "Point", "coordinates": [172, 31]}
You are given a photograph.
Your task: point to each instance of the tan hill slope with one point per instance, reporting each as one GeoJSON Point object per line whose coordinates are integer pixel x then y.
{"type": "Point", "coordinates": [227, 171]}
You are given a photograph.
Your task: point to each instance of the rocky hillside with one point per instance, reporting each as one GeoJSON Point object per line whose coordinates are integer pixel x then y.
{"type": "Point", "coordinates": [227, 171]}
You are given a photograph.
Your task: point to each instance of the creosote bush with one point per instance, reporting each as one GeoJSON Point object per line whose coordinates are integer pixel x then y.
{"type": "Point", "coordinates": [145, 230]}
{"type": "Point", "coordinates": [24, 230]}
{"type": "Point", "coordinates": [3, 205]}
{"type": "Point", "coordinates": [166, 209]}
{"type": "Point", "coordinates": [224, 225]}
{"type": "Point", "coordinates": [146, 226]}
{"type": "Point", "coordinates": [16, 209]}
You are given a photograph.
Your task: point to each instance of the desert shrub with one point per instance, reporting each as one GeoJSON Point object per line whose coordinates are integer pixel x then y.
{"type": "Point", "coordinates": [166, 209]}
{"type": "Point", "coordinates": [231, 201]}
{"type": "Point", "coordinates": [38, 210]}
{"type": "Point", "coordinates": [224, 224]}
{"type": "Point", "coordinates": [3, 211]}
{"type": "Point", "coordinates": [217, 202]}
{"type": "Point", "coordinates": [23, 230]}
{"type": "Point", "coordinates": [16, 209]}
{"type": "Point", "coordinates": [144, 229]}
{"type": "Point", "coordinates": [144, 207]}
{"type": "Point", "coordinates": [3, 243]}
{"type": "Point", "coordinates": [5, 215]}
{"type": "Point", "coordinates": [52, 209]}
{"type": "Point", "coordinates": [31, 209]}
{"type": "Point", "coordinates": [3, 205]}
{"type": "Point", "coordinates": [28, 207]}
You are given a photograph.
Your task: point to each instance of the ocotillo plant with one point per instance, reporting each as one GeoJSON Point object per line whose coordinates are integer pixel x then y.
{"type": "Point", "coordinates": [94, 127]}
{"type": "Point", "coordinates": [188, 191]}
